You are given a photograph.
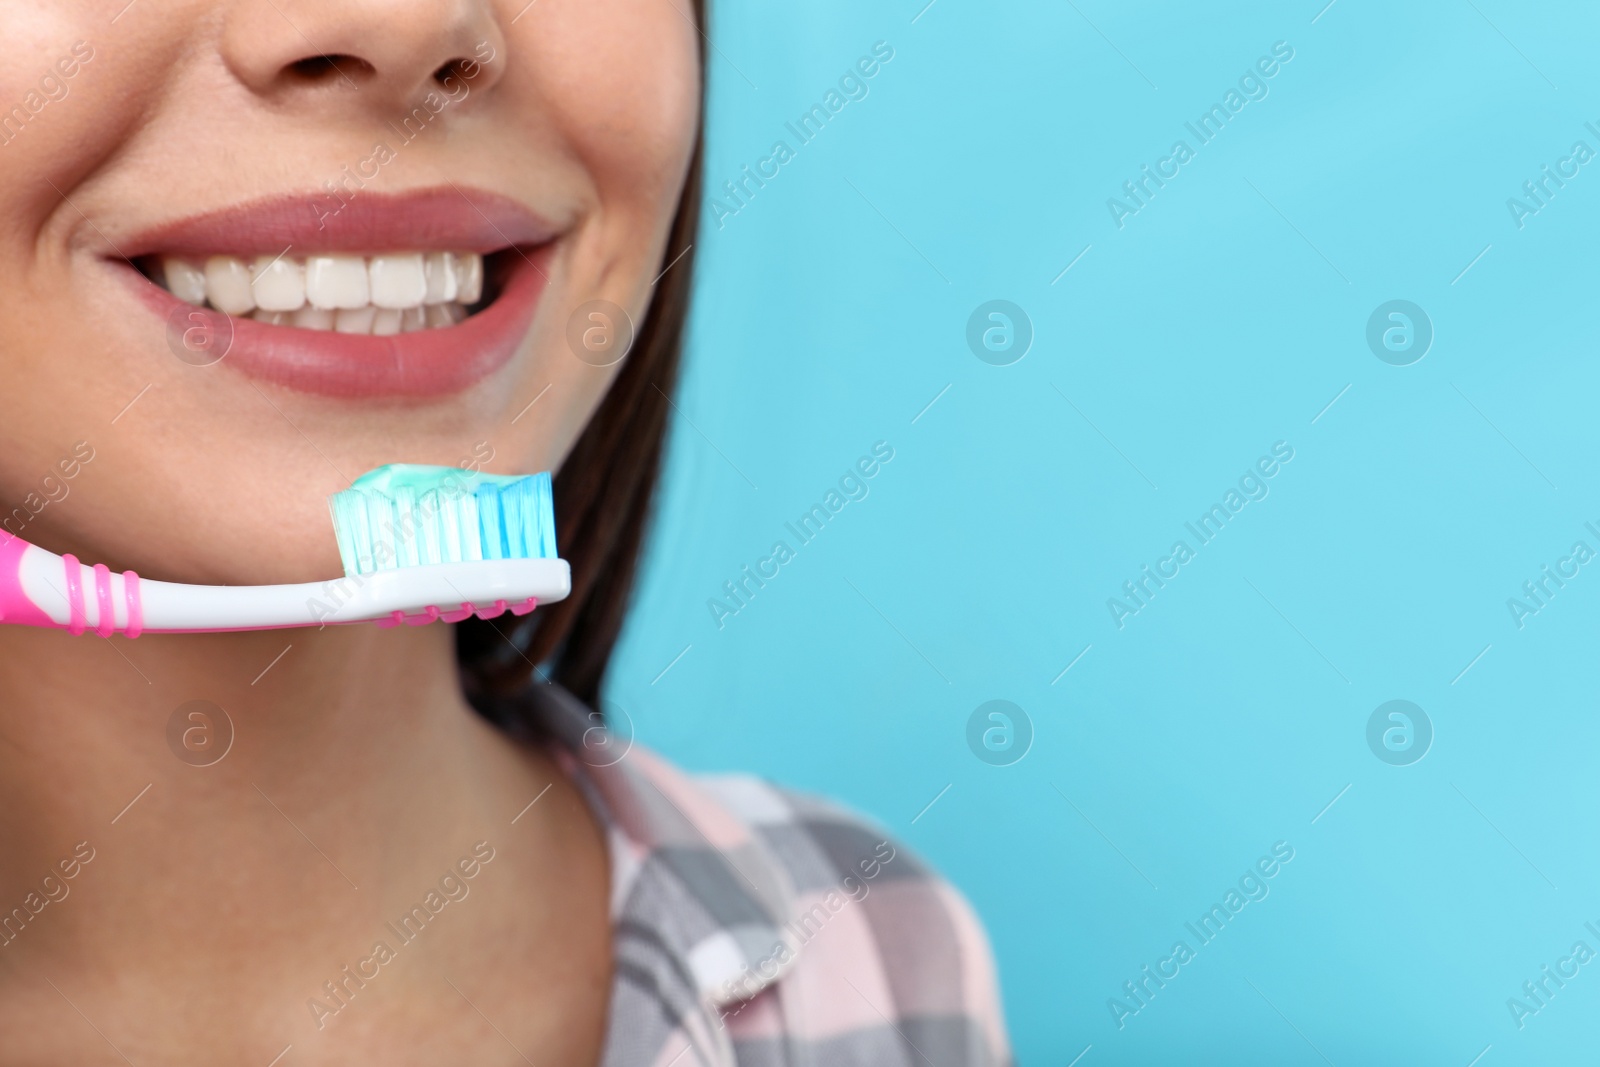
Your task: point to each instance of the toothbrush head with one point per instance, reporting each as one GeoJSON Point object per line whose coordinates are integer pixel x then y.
{"type": "Point", "coordinates": [405, 515]}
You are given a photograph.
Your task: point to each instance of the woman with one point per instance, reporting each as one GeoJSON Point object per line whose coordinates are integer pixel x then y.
{"type": "Point", "coordinates": [432, 229]}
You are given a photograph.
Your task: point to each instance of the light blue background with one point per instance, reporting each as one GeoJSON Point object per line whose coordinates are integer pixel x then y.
{"type": "Point", "coordinates": [1223, 317]}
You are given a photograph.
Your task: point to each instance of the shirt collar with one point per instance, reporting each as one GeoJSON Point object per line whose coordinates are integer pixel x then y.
{"type": "Point", "coordinates": [685, 868]}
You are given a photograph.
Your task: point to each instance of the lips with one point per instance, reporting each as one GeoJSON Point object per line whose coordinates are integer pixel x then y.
{"type": "Point", "coordinates": [290, 234]}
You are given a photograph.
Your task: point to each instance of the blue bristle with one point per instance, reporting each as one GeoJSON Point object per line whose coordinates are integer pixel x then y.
{"type": "Point", "coordinates": [404, 515]}
{"type": "Point", "coordinates": [491, 522]}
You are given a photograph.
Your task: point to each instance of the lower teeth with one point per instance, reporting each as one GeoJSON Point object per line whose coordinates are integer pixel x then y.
{"type": "Point", "coordinates": [377, 321]}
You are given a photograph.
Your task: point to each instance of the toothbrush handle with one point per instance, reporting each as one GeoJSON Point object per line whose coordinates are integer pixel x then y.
{"type": "Point", "coordinates": [18, 560]}
{"type": "Point", "coordinates": [40, 588]}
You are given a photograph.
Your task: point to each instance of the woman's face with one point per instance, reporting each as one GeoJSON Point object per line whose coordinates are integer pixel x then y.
{"type": "Point", "coordinates": [329, 174]}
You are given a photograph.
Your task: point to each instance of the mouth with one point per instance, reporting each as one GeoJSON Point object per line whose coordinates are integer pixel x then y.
{"type": "Point", "coordinates": [415, 295]}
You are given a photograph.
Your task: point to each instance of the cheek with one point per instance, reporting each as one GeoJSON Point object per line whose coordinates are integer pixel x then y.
{"type": "Point", "coordinates": [617, 85]}
{"type": "Point", "coordinates": [623, 84]}
{"type": "Point", "coordinates": [98, 108]}
{"type": "Point", "coordinates": [47, 308]}
{"type": "Point", "coordinates": [577, 391]}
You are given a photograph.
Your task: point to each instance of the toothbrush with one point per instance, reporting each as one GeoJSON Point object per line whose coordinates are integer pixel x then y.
{"type": "Point", "coordinates": [418, 544]}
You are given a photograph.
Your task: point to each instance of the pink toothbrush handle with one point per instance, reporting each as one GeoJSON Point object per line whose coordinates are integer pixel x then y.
{"type": "Point", "coordinates": [118, 605]}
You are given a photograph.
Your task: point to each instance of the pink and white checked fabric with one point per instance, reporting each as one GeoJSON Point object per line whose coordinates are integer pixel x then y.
{"type": "Point", "coordinates": [756, 927]}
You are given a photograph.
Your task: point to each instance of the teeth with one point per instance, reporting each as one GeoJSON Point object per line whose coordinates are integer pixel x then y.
{"type": "Point", "coordinates": [310, 318]}
{"type": "Point", "coordinates": [385, 321]}
{"type": "Point", "coordinates": [355, 320]}
{"type": "Point", "coordinates": [185, 281]}
{"type": "Point", "coordinates": [469, 279]}
{"type": "Point", "coordinates": [228, 286]}
{"type": "Point", "coordinates": [337, 281]}
{"type": "Point", "coordinates": [279, 283]}
{"type": "Point", "coordinates": [398, 281]}
{"type": "Point", "coordinates": [439, 270]}
{"type": "Point", "coordinates": [378, 295]}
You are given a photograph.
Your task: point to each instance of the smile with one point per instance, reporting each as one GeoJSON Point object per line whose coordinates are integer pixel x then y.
{"type": "Point", "coordinates": [378, 295]}
{"type": "Point", "coordinates": [415, 295]}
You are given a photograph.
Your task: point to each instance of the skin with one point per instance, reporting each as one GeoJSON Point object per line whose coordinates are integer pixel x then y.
{"type": "Point", "coordinates": [225, 896]}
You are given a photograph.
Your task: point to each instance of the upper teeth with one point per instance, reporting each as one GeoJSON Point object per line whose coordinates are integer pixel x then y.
{"type": "Point", "coordinates": [385, 294]}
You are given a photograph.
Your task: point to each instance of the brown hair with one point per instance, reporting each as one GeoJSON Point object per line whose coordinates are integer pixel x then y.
{"type": "Point", "coordinates": [603, 499]}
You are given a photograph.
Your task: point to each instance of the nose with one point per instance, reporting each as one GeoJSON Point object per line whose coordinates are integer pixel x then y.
{"type": "Point", "coordinates": [390, 52]}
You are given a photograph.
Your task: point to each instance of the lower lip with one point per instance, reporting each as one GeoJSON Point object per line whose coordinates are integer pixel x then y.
{"type": "Point", "coordinates": [420, 365]}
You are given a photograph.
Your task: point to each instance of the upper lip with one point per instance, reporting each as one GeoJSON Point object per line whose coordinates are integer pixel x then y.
{"type": "Point", "coordinates": [454, 218]}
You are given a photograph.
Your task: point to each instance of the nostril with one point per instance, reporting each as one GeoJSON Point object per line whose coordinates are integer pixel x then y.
{"type": "Point", "coordinates": [458, 68]}
{"type": "Point", "coordinates": [325, 67]}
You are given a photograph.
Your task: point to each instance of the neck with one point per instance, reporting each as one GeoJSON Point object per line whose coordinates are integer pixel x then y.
{"type": "Point", "coordinates": [325, 717]}
{"type": "Point", "coordinates": [280, 795]}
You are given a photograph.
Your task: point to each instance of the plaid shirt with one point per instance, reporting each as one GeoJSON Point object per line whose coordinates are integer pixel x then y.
{"type": "Point", "coordinates": [754, 927]}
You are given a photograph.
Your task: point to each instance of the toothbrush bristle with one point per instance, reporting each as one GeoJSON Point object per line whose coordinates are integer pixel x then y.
{"type": "Point", "coordinates": [412, 516]}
